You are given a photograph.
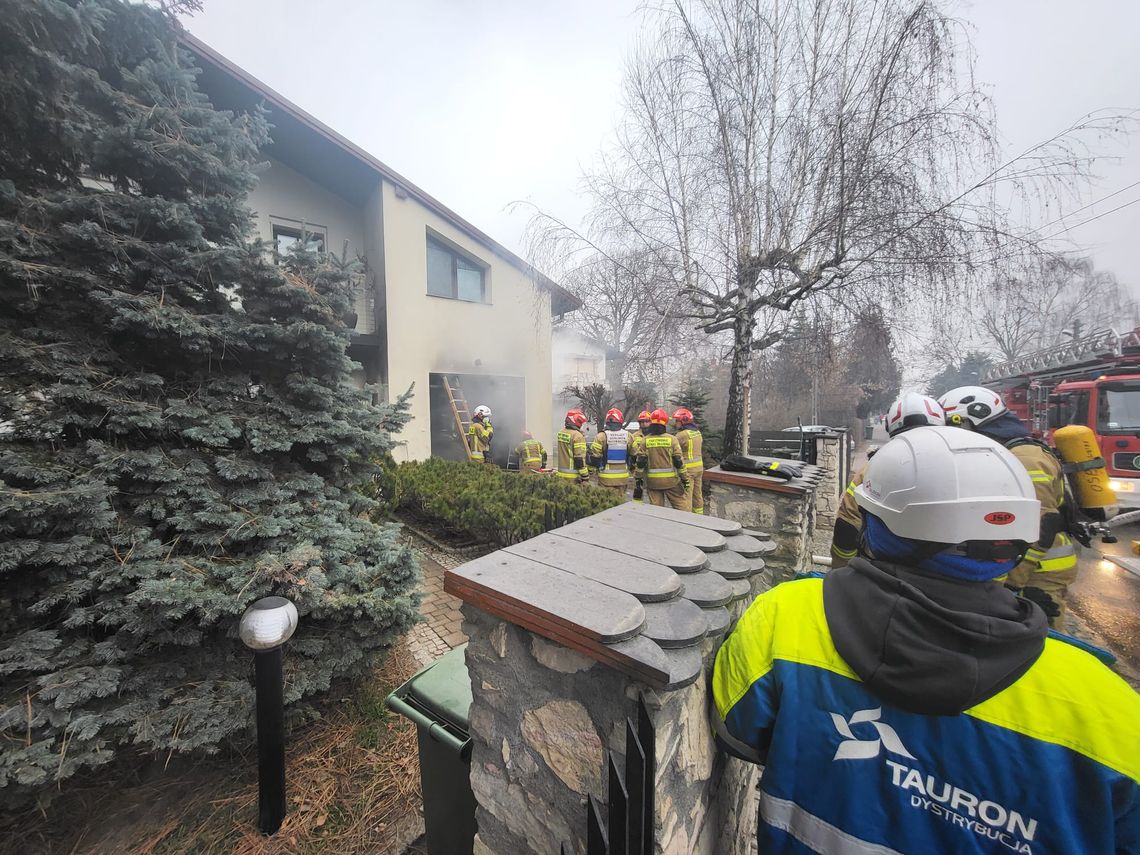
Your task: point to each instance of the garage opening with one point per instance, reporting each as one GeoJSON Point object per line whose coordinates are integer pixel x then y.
{"type": "Point", "coordinates": [506, 396]}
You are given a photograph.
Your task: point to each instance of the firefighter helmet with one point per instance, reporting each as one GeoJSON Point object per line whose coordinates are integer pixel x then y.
{"type": "Point", "coordinates": [482, 412]}
{"type": "Point", "coordinates": [659, 417]}
{"type": "Point", "coordinates": [615, 415]}
{"type": "Point", "coordinates": [643, 416]}
{"type": "Point", "coordinates": [683, 415]}
{"type": "Point", "coordinates": [941, 485]}
{"type": "Point", "coordinates": [913, 410]}
{"type": "Point", "coordinates": [576, 418]}
{"type": "Point", "coordinates": [974, 404]}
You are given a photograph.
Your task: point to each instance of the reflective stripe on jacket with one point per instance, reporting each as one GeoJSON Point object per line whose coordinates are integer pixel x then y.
{"type": "Point", "coordinates": [848, 508]}
{"type": "Point", "coordinates": [1049, 485]}
{"type": "Point", "coordinates": [530, 453]}
{"type": "Point", "coordinates": [692, 451]}
{"type": "Point", "coordinates": [1050, 764]}
{"type": "Point", "coordinates": [612, 448]}
{"type": "Point", "coordinates": [664, 454]}
{"type": "Point", "coordinates": [571, 445]}
{"type": "Point", "coordinates": [479, 439]}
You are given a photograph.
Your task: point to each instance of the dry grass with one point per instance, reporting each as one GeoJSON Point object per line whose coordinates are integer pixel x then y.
{"type": "Point", "coordinates": [352, 778]}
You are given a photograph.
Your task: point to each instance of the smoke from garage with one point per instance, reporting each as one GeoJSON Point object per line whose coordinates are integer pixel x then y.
{"type": "Point", "coordinates": [506, 396]}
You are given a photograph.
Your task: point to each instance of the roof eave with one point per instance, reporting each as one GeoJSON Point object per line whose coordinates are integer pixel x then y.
{"type": "Point", "coordinates": [562, 301]}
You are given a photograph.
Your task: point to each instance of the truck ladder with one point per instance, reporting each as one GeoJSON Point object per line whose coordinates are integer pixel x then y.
{"type": "Point", "coordinates": [1104, 344]}
{"type": "Point", "coordinates": [459, 410]}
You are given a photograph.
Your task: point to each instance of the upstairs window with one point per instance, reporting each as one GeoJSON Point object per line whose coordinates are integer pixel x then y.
{"type": "Point", "coordinates": [284, 238]}
{"type": "Point", "coordinates": [451, 274]}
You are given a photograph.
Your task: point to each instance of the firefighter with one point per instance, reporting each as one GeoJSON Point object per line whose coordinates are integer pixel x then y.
{"type": "Point", "coordinates": [662, 466]}
{"type": "Point", "coordinates": [531, 454]}
{"type": "Point", "coordinates": [636, 450]}
{"type": "Point", "coordinates": [480, 434]}
{"type": "Point", "coordinates": [1050, 566]}
{"type": "Point", "coordinates": [572, 449]}
{"type": "Point", "coordinates": [689, 436]}
{"type": "Point", "coordinates": [610, 452]}
{"type": "Point", "coordinates": [899, 693]}
{"type": "Point", "coordinates": [908, 411]}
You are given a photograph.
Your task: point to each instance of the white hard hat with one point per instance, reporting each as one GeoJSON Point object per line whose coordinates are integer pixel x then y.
{"type": "Point", "coordinates": [914, 410]}
{"type": "Point", "coordinates": [976, 404]}
{"type": "Point", "coordinates": [944, 485]}
{"type": "Point", "coordinates": [483, 410]}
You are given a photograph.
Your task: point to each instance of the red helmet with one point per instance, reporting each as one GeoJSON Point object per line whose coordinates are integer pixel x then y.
{"type": "Point", "coordinates": [576, 418]}
{"type": "Point", "coordinates": [615, 415]}
{"type": "Point", "coordinates": [643, 416]}
{"type": "Point", "coordinates": [682, 415]}
{"type": "Point", "coordinates": [659, 417]}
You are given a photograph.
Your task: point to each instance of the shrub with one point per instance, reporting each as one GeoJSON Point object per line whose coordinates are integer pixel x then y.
{"type": "Point", "coordinates": [491, 504]}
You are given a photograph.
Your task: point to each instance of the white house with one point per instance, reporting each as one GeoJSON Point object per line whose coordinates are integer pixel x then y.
{"type": "Point", "coordinates": [440, 297]}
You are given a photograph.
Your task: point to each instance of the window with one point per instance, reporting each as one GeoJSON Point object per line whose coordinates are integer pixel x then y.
{"type": "Point", "coordinates": [450, 274]}
{"type": "Point", "coordinates": [284, 237]}
{"type": "Point", "coordinates": [584, 366]}
{"type": "Point", "coordinates": [1118, 408]}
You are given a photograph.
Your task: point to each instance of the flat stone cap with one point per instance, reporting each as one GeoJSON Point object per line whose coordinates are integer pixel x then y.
{"type": "Point", "coordinates": [608, 586]}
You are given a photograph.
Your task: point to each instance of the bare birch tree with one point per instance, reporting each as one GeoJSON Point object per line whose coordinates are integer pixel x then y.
{"type": "Point", "coordinates": [772, 150]}
{"type": "Point", "coordinates": [622, 308]}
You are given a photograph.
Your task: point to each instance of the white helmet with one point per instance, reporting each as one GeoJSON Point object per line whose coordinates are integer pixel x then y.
{"type": "Point", "coordinates": [976, 404]}
{"type": "Point", "coordinates": [914, 410]}
{"type": "Point", "coordinates": [483, 411]}
{"type": "Point", "coordinates": [945, 485]}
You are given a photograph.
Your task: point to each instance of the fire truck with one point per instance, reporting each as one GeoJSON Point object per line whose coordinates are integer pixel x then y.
{"type": "Point", "coordinates": [1094, 381]}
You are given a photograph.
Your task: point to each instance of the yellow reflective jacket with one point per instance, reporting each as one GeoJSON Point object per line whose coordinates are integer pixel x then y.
{"type": "Point", "coordinates": [531, 455]}
{"type": "Point", "coordinates": [662, 464]}
{"type": "Point", "coordinates": [611, 449]}
{"type": "Point", "coordinates": [571, 454]}
{"type": "Point", "coordinates": [1049, 484]}
{"type": "Point", "coordinates": [692, 445]}
{"type": "Point", "coordinates": [479, 437]}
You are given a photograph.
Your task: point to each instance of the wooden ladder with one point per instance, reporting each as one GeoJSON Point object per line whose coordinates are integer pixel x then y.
{"type": "Point", "coordinates": [460, 410]}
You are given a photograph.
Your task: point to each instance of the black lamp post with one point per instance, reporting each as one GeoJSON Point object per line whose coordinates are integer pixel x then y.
{"type": "Point", "coordinates": [265, 626]}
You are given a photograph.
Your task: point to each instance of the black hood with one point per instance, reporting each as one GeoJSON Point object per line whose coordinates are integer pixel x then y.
{"type": "Point", "coordinates": [927, 643]}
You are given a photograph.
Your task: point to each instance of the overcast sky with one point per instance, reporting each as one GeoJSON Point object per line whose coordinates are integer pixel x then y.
{"type": "Point", "coordinates": [485, 102]}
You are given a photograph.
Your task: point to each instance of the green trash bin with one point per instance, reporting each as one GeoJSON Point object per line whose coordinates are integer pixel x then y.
{"type": "Point", "coordinates": [869, 430]}
{"type": "Point", "coordinates": [438, 700]}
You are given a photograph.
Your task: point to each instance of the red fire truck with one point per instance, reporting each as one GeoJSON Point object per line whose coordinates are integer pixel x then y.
{"type": "Point", "coordinates": [1093, 381]}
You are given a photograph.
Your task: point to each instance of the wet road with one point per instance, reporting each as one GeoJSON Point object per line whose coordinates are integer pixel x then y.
{"type": "Point", "coordinates": [1107, 596]}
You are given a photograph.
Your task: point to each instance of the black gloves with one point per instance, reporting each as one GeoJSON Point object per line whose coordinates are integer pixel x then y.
{"type": "Point", "coordinates": [1046, 603]}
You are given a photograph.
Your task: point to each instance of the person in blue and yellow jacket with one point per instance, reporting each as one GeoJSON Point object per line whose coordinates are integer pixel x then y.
{"type": "Point", "coordinates": [910, 703]}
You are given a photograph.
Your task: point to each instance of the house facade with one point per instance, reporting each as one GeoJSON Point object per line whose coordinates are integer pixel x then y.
{"type": "Point", "coordinates": [437, 298]}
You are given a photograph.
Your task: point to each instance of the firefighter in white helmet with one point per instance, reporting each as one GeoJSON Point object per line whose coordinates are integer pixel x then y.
{"type": "Point", "coordinates": [1050, 566]}
{"type": "Point", "coordinates": [480, 434]}
{"type": "Point", "coordinates": [908, 411]}
{"type": "Point", "coordinates": [910, 687]}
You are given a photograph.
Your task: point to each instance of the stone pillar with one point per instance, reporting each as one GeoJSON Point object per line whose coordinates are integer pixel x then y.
{"type": "Point", "coordinates": [828, 450]}
{"type": "Point", "coordinates": [541, 721]}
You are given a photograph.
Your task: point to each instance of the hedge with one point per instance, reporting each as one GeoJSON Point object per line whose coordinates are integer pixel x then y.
{"type": "Point", "coordinates": [488, 503]}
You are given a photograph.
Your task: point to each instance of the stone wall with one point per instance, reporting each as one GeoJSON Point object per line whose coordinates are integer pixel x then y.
{"type": "Point", "coordinates": [541, 721]}
{"type": "Point", "coordinates": [790, 518]}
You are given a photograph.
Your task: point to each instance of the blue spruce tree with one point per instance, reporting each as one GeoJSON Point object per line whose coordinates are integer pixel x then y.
{"type": "Point", "coordinates": [177, 432]}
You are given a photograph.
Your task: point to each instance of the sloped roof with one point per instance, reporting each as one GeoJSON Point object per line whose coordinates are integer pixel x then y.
{"type": "Point", "coordinates": [562, 301]}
